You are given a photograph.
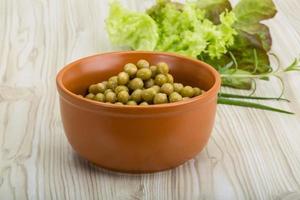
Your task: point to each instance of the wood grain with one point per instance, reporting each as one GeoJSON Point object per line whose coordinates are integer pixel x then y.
{"type": "Point", "coordinates": [251, 154]}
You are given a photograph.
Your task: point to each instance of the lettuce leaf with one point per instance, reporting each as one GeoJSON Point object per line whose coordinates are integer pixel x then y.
{"type": "Point", "coordinates": [210, 30]}
{"type": "Point", "coordinates": [250, 12]}
{"type": "Point", "coordinates": [251, 44]}
{"type": "Point", "coordinates": [173, 27]}
{"type": "Point", "coordinates": [214, 8]}
{"type": "Point", "coordinates": [132, 29]}
{"type": "Point", "coordinates": [184, 28]}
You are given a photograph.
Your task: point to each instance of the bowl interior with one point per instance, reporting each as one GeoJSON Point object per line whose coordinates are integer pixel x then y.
{"type": "Point", "coordinates": [79, 75]}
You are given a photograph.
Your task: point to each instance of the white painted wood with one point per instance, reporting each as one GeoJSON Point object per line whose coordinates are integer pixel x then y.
{"type": "Point", "coordinates": [251, 154]}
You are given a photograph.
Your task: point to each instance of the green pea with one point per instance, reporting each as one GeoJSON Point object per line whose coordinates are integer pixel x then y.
{"type": "Point", "coordinates": [90, 96]}
{"type": "Point", "coordinates": [144, 73]}
{"type": "Point", "coordinates": [163, 68]}
{"type": "Point", "coordinates": [111, 97]}
{"type": "Point", "coordinates": [136, 83]}
{"type": "Point", "coordinates": [123, 96]}
{"type": "Point", "coordinates": [108, 90]}
{"type": "Point", "coordinates": [93, 89]}
{"type": "Point", "coordinates": [160, 98]}
{"type": "Point", "coordinates": [170, 78]}
{"type": "Point", "coordinates": [156, 88]}
{"type": "Point", "coordinates": [104, 83]}
{"type": "Point", "coordinates": [123, 78]}
{"type": "Point", "coordinates": [187, 91]}
{"type": "Point", "coordinates": [120, 88]}
{"type": "Point", "coordinates": [174, 97]}
{"type": "Point", "coordinates": [130, 69]}
{"type": "Point", "coordinates": [149, 83]}
{"type": "Point", "coordinates": [167, 88]}
{"type": "Point", "coordinates": [144, 103]}
{"type": "Point", "coordinates": [154, 71]}
{"type": "Point", "coordinates": [160, 79]}
{"type": "Point", "coordinates": [197, 91]}
{"type": "Point", "coordinates": [136, 95]}
{"type": "Point", "coordinates": [177, 87]}
{"type": "Point", "coordinates": [112, 82]}
{"type": "Point", "coordinates": [100, 97]}
{"type": "Point", "coordinates": [96, 88]}
{"type": "Point", "coordinates": [131, 103]}
{"type": "Point", "coordinates": [148, 94]}
{"type": "Point", "coordinates": [159, 84]}
{"type": "Point", "coordinates": [142, 64]}
{"type": "Point", "coordinates": [113, 78]}
{"type": "Point", "coordinates": [101, 87]}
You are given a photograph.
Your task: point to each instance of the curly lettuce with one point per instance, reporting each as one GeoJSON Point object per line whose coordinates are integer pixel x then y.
{"type": "Point", "coordinates": [251, 44]}
{"type": "Point", "coordinates": [133, 29]}
{"type": "Point", "coordinates": [233, 40]}
{"type": "Point", "coordinates": [173, 27]}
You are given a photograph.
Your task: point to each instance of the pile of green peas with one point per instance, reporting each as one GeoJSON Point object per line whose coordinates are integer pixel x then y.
{"type": "Point", "coordinates": [141, 84]}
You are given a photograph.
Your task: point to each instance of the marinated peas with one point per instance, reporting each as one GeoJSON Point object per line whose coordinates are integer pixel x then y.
{"type": "Point", "coordinates": [141, 84]}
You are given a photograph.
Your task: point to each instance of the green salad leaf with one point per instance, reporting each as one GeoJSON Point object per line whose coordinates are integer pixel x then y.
{"type": "Point", "coordinates": [251, 44]}
{"type": "Point", "coordinates": [180, 28]}
{"type": "Point", "coordinates": [183, 28]}
{"type": "Point", "coordinates": [249, 13]}
{"type": "Point", "coordinates": [173, 27]}
{"type": "Point", "coordinates": [214, 8]}
{"type": "Point", "coordinates": [210, 30]}
{"type": "Point", "coordinates": [253, 11]}
{"type": "Point", "coordinates": [232, 39]}
{"type": "Point", "coordinates": [133, 29]}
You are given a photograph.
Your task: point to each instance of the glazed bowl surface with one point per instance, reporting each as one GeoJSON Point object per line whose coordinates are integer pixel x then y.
{"type": "Point", "coordinates": [137, 139]}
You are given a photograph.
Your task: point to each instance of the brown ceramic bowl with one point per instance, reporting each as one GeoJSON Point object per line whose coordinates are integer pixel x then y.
{"type": "Point", "coordinates": [137, 138]}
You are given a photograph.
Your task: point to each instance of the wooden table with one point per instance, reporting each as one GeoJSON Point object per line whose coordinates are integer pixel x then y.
{"type": "Point", "coordinates": [251, 155]}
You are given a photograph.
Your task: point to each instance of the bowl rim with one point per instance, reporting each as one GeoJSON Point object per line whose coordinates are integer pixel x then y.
{"type": "Point", "coordinates": [204, 97]}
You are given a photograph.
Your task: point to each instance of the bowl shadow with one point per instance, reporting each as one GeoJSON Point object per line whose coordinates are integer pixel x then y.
{"type": "Point", "coordinates": [88, 166]}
